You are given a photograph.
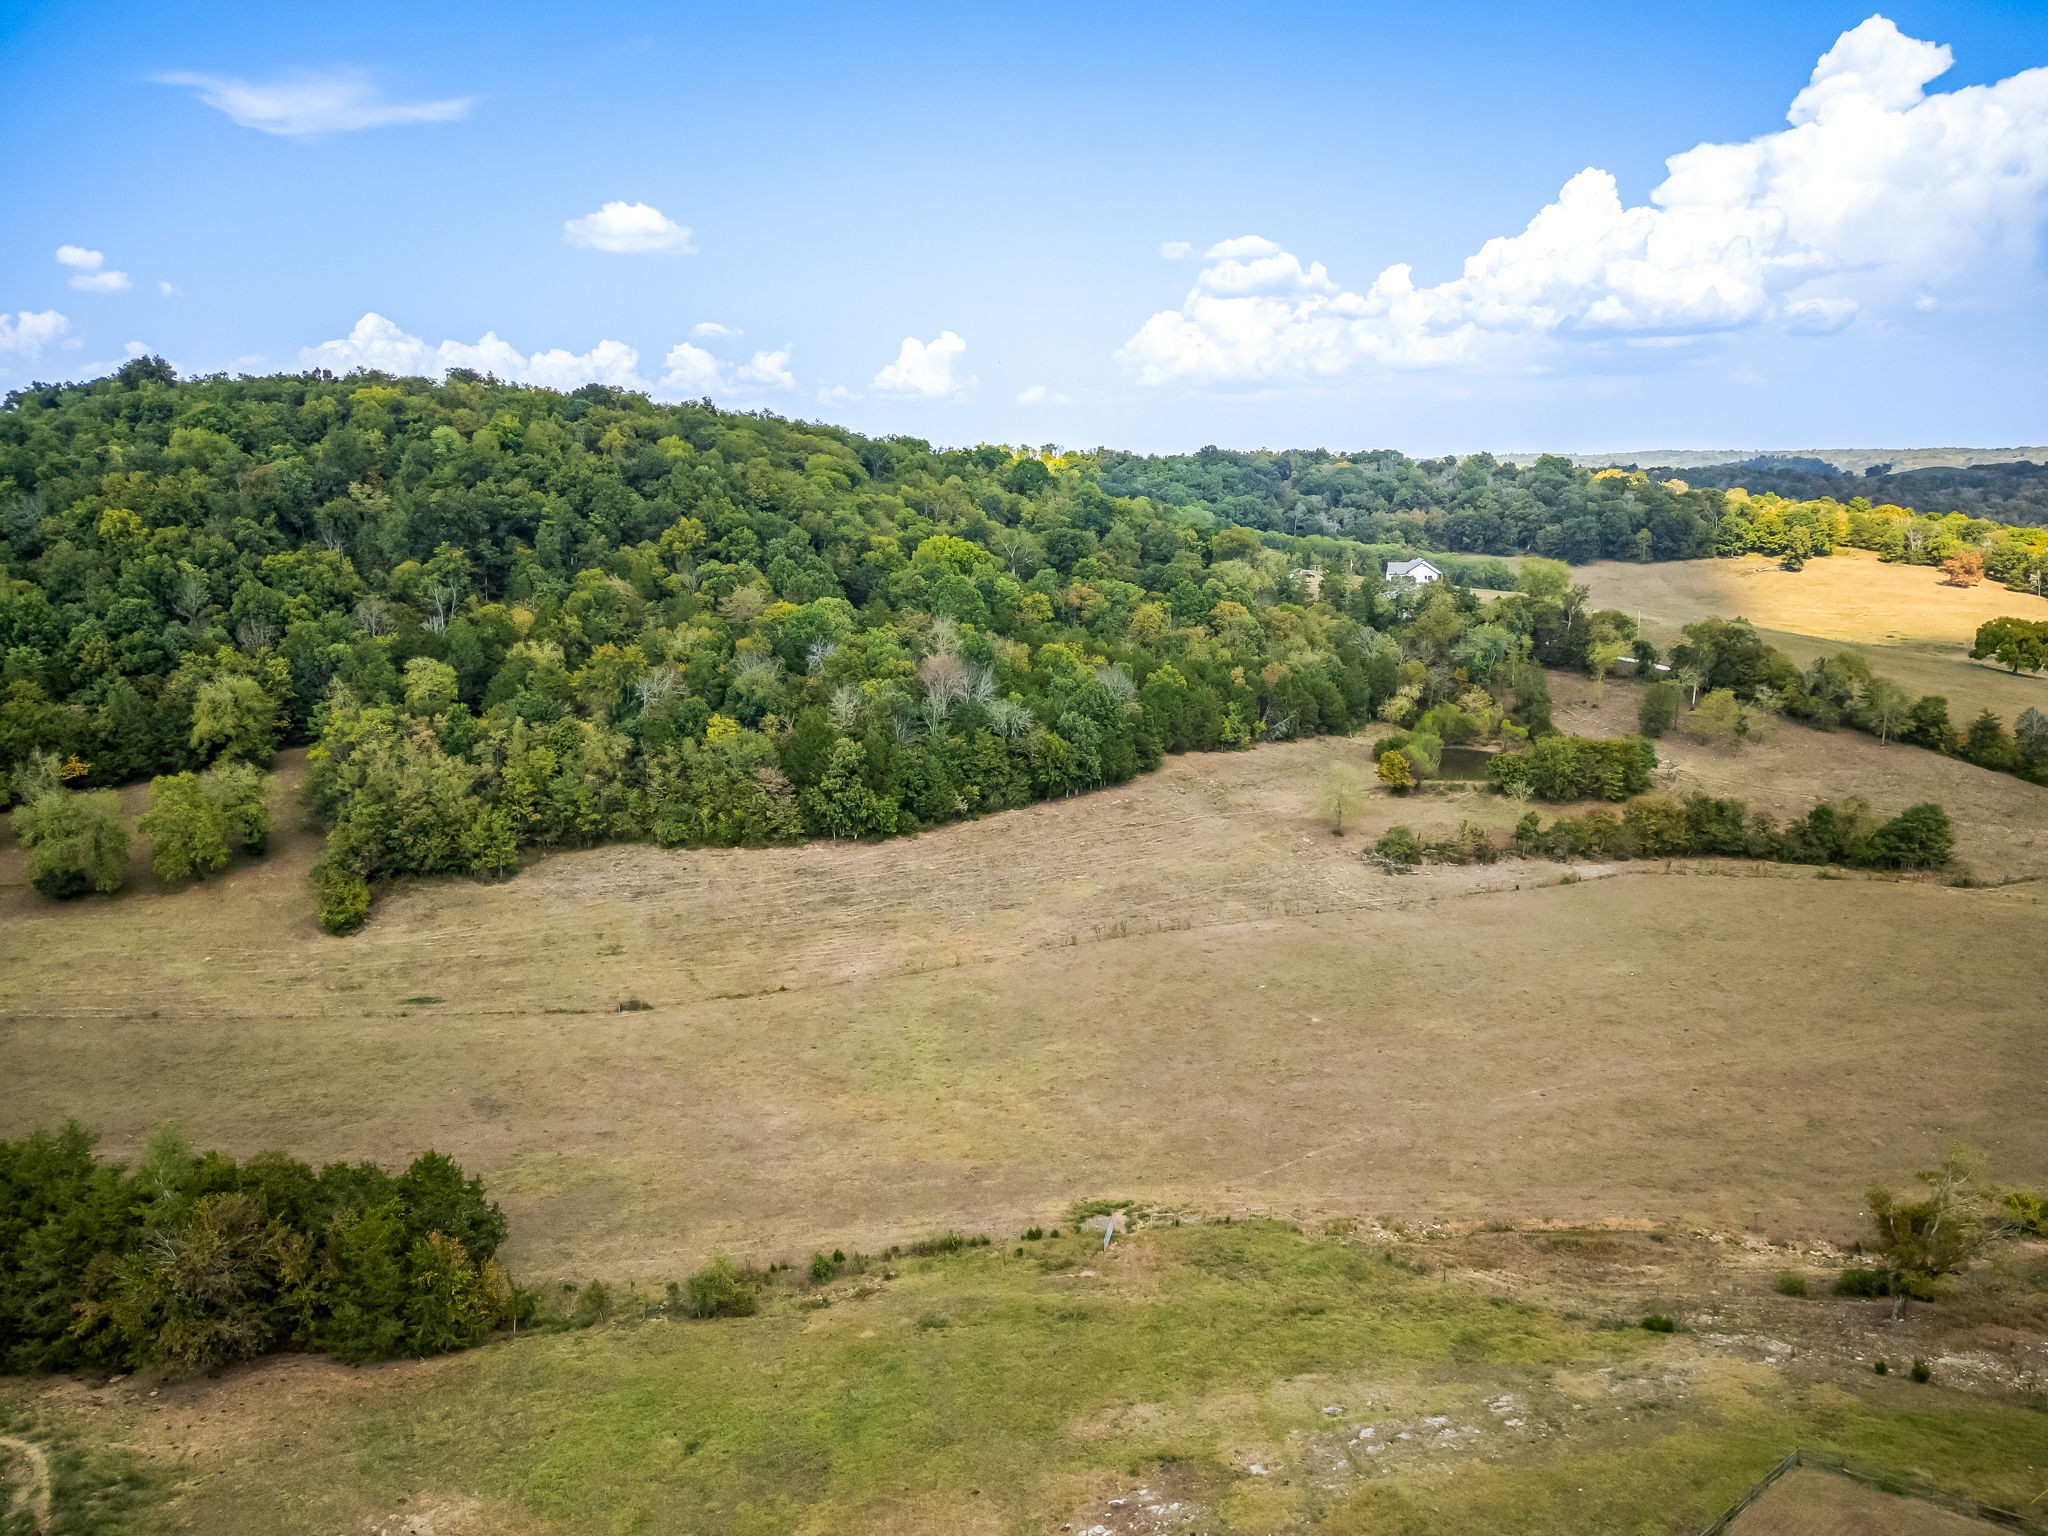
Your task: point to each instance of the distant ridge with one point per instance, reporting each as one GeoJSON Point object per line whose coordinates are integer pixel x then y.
{"type": "Point", "coordinates": [1848, 461]}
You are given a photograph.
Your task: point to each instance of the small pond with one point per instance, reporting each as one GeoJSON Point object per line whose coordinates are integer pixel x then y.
{"type": "Point", "coordinates": [1465, 763]}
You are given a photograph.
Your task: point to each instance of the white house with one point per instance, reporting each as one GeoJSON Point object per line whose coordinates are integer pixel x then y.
{"type": "Point", "coordinates": [1413, 570]}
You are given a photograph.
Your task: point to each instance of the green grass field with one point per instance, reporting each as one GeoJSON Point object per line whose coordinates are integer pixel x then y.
{"type": "Point", "coordinates": [1230, 1370]}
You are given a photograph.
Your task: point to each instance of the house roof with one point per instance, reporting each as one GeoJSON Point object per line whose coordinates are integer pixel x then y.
{"type": "Point", "coordinates": [1409, 567]}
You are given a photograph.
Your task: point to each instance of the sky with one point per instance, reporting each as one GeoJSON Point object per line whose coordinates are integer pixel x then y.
{"type": "Point", "coordinates": [1440, 228]}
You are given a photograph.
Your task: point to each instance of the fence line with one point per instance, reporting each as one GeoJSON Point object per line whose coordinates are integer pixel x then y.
{"type": "Point", "coordinates": [1911, 1487]}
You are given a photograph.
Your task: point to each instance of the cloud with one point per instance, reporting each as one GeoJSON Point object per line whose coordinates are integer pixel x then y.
{"type": "Point", "coordinates": [628, 229]}
{"type": "Point", "coordinates": [1876, 191]}
{"type": "Point", "coordinates": [307, 102]}
{"type": "Point", "coordinates": [1039, 394]}
{"type": "Point", "coordinates": [713, 328]}
{"type": "Point", "coordinates": [26, 332]}
{"type": "Point", "coordinates": [89, 272]}
{"type": "Point", "coordinates": [925, 370]}
{"type": "Point", "coordinates": [166, 290]}
{"type": "Point", "coordinates": [693, 373]}
{"type": "Point", "coordinates": [377, 344]}
{"type": "Point", "coordinates": [1175, 250]}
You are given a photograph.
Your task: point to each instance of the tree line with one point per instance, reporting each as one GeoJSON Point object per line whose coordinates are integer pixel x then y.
{"type": "Point", "coordinates": [510, 619]}
{"type": "Point", "coordinates": [1728, 682]}
{"type": "Point", "coordinates": [1656, 827]}
{"type": "Point", "coordinates": [1555, 509]}
{"type": "Point", "coordinates": [189, 1262]}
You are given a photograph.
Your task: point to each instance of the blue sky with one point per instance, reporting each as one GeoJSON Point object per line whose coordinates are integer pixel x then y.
{"type": "Point", "coordinates": [950, 220]}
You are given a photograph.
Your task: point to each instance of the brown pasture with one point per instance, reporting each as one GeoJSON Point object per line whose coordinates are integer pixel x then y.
{"type": "Point", "coordinates": [1185, 990]}
{"type": "Point", "coordinates": [1903, 619]}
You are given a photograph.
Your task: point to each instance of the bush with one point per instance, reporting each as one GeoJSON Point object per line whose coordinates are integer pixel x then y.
{"type": "Point", "coordinates": [1399, 845]}
{"type": "Point", "coordinates": [822, 1268]}
{"type": "Point", "coordinates": [718, 1290]}
{"type": "Point", "coordinates": [1922, 1371]}
{"type": "Point", "coordinates": [1882, 1368]}
{"type": "Point", "coordinates": [1864, 1282]}
{"type": "Point", "coordinates": [1791, 1283]}
{"type": "Point", "coordinates": [1657, 1322]}
{"type": "Point", "coordinates": [344, 897]}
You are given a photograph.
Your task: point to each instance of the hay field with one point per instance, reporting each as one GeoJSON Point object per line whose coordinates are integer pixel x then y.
{"type": "Point", "coordinates": [1184, 989]}
{"type": "Point", "coordinates": [1902, 618]}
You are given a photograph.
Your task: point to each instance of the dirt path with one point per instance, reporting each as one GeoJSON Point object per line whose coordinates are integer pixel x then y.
{"type": "Point", "coordinates": [33, 1494]}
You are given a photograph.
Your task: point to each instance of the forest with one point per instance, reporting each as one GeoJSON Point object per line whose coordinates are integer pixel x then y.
{"type": "Point", "coordinates": [510, 619]}
{"type": "Point", "coordinates": [1551, 508]}
{"type": "Point", "coordinates": [2004, 493]}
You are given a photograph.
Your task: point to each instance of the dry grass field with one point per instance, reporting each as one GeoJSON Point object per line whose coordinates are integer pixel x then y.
{"type": "Point", "coordinates": [1902, 618]}
{"type": "Point", "coordinates": [1185, 989]}
{"type": "Point", "coordinates": [1808, 1502]}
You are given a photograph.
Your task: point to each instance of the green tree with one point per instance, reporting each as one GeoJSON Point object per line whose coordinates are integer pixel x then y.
{"type": "Point", "coordinates": [76, 842]}
{"type": "Point", "coordinates": [1659, 708]}
{"type": "Point", "coordinates": [1718, 719]}
{"type": "Point", "coordinates": [841, 804]}
{"type": "Point", "coordinates": [1342, 794]}
{"type": "Point", "coordinates": [1886, 709]}
{"type": "Point", "coordinates": [184, 827]}
{"type": "Point", "coordinates": [2015, 644]}
{"type": "Point", "coordinates": [1928, 1239]}
{"type": "Point", "coordinates": [196, 822]}
{"type": "Point", "coordinates": [431, 687]}
{"type": "Point", "coordinates": [233, 716]}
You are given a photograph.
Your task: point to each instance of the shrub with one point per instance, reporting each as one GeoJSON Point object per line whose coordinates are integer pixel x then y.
{"type": "Point", "coordinates": [1395, 771]}
{"type": "Point", "coordinates": [344, 897]}
{"type": "Point", "coordinates": [1864, 1282]}
{"type": "Point", "coordinates": [1882, 1368]}
{"type": "Point", "coordinates": [718, 1290]}
{"type": "Point", "coordinates": [594, 1306]}
{"type": "Point", "coordinates": [1399, 845]}
{"type": "Point", "coordinates": [1791, 1283]}
{"type": "Point", "coordinates": [1657, 1322]}
{"type": "Point", "coordinates": [1033, 1234]}
{"type": "Point", "coordinates": [822, 1268]}
{"type": "Point", "coordinates": [1922, 1371]}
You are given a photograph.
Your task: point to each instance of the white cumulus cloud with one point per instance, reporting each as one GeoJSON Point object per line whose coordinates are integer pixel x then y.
{"type": "Point", "coordinates": [378, 344]}
{"type": "Point", "coordinates": [305, 103]}
{"type": "Point", "coordinates": [1040, 394]}
{"type": "Point", "coordinates": [926, 370]}
{"type": "Point", "coordinates": [693, 373]}
{"type": "Point", "coordinates": [714, 328]}
{"type": "Point", "coordinates": [1875, 191]}
{"type": "Point", "coordinates": [1175, 250]}
{"type": "Point", "coordinates": [89, 270]}
{"type": "Point", "coordinates": [628, 229]}
{"type": "Point", "coordinates": [25, 332]}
